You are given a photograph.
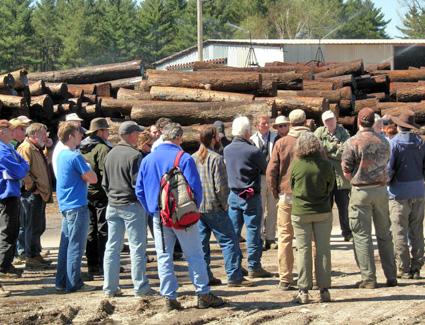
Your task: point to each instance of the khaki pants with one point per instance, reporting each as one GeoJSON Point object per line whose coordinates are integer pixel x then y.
{"type": "Point", "coordinates": [269, 211]}
{"type": "Point", "coordinates": [407, 218]}
{"type": "Point", "coordinates": [367, 204]}
{"type": "Point", "coordinates": [285, 237]}
{"type": "Point", "coordinates": [319, 227]}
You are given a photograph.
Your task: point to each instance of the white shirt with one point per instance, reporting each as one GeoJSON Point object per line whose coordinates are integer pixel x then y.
{"type": "Point", "coordinates": [58, 149]}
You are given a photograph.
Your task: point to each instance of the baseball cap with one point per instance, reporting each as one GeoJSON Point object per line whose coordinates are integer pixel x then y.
{"type": "Point", "coordinates": [73, 117]}
{"type": "Point", "coordinates": [327, 115]}
{"type": "Point", "coordinates": [128, 127]}
{"type": "Point", "coordinates": [367, 116]}
{"type": "Point", "coordinates": [297, 116]}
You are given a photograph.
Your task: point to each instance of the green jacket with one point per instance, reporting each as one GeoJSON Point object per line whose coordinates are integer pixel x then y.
{"type": "Point", "coordinates": [312, 181]}
{"type": "Point", "coordinates": [334, 146]}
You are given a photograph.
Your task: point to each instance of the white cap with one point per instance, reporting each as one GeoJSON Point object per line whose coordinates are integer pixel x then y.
{"type": "Point", "coordinates": [327, 115]}
{"type": "Point", "coordinates": [73, 117]}
{"type": "Point", "coordinates": [24, 119]}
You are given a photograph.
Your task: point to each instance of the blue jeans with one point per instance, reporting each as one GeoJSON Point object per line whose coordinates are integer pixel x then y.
{"type": "Point", "coordinates": [130, 217]}
{"type": "Point", "coordinates": [75, 225]}
{"type": "Point", "coordinates": [220, 224]}
{"type": "Point", "coordinates": [34, 222]}
{"type": "Point", "coordinates": [190, 241]}
{"type": "Point", "coordinates": [20, 243]}
{"type": "Point", "coordinates": [248, 212]}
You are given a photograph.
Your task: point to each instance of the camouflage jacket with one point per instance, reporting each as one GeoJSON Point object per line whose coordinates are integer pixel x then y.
{"type": "Point", "coordinates": [365, 157]}
{"type": "Point", "coordinates": [334, 146]}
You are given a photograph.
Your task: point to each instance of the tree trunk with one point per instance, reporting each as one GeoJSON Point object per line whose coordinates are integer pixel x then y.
{"type": "Point", "coordinates": [373, 84]}
{"type": "Point", "coordinates": [113, 107]}
{"type": "Point", "coordinates": [284, 80]}
{"type": "Point", "coordinates": [92, 74]}
{"type": "Point", "coordinates": [191, 113]}
{"type": "Point", "coordinates": [405, 75]}
{"type": "Point", "coordinates": [7, 81]}
{"type": "Point", "coordinates": [341, 81]}
{"type": "Point", "coordinates": [196, 95]}
{"type": "Point", "coordinates": [318, 85]}
{"type": "Point", "coordinates": [78, 90]}
{"type": "Point", "coordinates": [411, 94]}
{"type": "Point", "coordinates": [91, 99]}
{"type": "Point", "coordinates": [129, 94]}
{"type": "Point", "coordinates": [311, 105]}
{"type": "Point", "coordinates": [210, 80]}
{"type": "Point", "coordinates": [382, 97]}
{"type": "Point", "coordinates": [103, 90]}
{"type": "Point", "coordinates": [129, 83]}
{"type": "Point", "coordinates": [333, 96]}
{"type": "Point", "coordinates": [346, 104]}
{"type": "Point", "coordinates": [355, 67]}
{"type": "Point", "coordinates": [13, 101]}
{"type": "Point", "coordinates": [417, 108]}
{"type": "Point", "coordinates": [371, 103]}
{"type": "Point", "coordinates": [37, 88]}
{"type": "Point", "coordinates": [41, 107]}
{"type": "Point", "coordinates": [347, 121]}
{"type": "Point", "coordinates": [143, 86]}
{"type": "Point", "coordinates": [57, 90]}
{"type": "Point", "coordinates": [21, 79]}
{"type": "Point", "coordinates": [380, 66]}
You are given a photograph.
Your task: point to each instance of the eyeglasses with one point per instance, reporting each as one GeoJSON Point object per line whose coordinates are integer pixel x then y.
{"type": "Point", "coordinates": [282, 125]}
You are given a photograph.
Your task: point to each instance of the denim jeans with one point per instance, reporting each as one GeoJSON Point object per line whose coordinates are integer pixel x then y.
{"type": "Point", "coordinates": [75, 224]}
{"type": "Point", "coordinates": [220, 224]}
{"type": "Point", "coordinates": [130, 217]}
{"type": "Point", "coordinates": [190, 241]}
{"type": "Point", "coordinates": [248, 212]}
{"type": "Point", "coordinates": [20, 244]}
{"type": "Point", "coordinates": [33, 212]}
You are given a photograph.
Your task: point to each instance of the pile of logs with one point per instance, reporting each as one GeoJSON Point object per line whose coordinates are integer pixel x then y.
{"type": "Point", "coordinates": [211, 92]}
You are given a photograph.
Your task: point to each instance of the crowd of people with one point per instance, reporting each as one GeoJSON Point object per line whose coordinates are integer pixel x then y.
{"type": "Point", "coordinates": [280, 182]}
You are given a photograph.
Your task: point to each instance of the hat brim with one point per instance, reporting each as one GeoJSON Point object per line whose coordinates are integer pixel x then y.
{"type": "Point", "coordinates": [95, 130]}
{"type": "Point", "coordinates": [399, 122]}
{"type": "Point", "coordinates": [274, 126]}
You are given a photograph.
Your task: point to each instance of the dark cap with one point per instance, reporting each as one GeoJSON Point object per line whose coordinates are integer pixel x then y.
{"type": "Point", "coordinates": [98, 123]}
{"type": "Point", "coordinates": [406, 119]}
{"type": "Point", "coordinates": [366, 116]}
{"type": "Point", "coordinates": [128, 127]}
{"type": "Point", "coordinates": [219, 125]}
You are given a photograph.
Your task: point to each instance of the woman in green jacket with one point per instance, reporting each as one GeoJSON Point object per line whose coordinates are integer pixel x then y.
{"type": "Point", "coordinates": [312, 181]}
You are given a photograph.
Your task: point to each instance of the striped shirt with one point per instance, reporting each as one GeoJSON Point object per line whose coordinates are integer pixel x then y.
{"type": "Point", "coordinates": [214, 182]}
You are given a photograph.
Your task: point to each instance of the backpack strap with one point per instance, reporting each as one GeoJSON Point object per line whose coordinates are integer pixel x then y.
{"type": "Point", "coordinates": [177, 160]}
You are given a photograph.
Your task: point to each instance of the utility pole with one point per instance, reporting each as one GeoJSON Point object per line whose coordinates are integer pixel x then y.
{"type": "Point", "coordinates": [200, 31]}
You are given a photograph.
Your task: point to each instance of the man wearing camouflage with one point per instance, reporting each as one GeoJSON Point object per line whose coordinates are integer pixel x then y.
{"type": "Point", "coordinates": [364, 162]}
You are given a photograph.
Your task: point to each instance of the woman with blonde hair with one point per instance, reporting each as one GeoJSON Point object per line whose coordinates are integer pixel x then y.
{"type": "Point", "coordinates": [312, 181]}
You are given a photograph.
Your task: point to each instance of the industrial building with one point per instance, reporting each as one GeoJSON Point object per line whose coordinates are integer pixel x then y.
{"type": "Point", "coordinates": [401, 53]}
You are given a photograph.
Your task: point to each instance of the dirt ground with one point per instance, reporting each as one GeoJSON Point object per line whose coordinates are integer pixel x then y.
{"type": "Point", "coordinates": [34, 300]}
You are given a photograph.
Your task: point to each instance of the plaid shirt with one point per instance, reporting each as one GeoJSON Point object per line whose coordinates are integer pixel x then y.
{"type": "Point", "coordinates": [215, 189]}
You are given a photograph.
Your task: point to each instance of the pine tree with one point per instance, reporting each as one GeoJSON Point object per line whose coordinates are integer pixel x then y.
{"type": "Point", "coordinates": [16, 41]}
{"type": "Point", "coordinates": [414, 22]}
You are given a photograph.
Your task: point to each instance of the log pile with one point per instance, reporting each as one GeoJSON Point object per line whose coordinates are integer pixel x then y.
{"type": "Point", "coordinates": [211, 92]}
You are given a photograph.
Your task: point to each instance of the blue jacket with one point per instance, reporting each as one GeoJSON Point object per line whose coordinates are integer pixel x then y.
{"type": "Point", "coordinates": [13, 168]}
{"type": "Point", "coordinates": [244, 163]}
{"type": "Point", "coordinates": [155, 165]}
{"type": "Point", "coordinates": [406, 167]}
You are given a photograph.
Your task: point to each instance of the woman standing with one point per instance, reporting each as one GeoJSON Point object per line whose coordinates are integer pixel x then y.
{"type": "Point", "coordinates": [312, 181]}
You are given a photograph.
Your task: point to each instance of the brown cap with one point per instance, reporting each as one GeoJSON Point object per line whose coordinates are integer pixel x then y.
{"type": "Point", "coordinates": [366, 116]}
{"type": "Point", "coordinates": [297, 116]}
{"type": "Point", "coordinates": [406, 119]}
{"type": "Point", "coordinates": [4, 124]}
{"type": "Point", "coordinates": [98, 123]}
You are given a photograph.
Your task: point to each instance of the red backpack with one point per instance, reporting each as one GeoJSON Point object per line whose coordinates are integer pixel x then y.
{"type": "Point", "coordinates": [177, 207]}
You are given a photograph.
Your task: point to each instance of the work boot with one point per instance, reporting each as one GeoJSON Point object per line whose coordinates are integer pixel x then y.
{"type": "Point", "coordinates": [285, 286]}
{"type": "Point", "coordinates": [42, 260]}
{"type": "Point", "coordinates": [88, 287]}
{"type": "Point", "coordinates": [366, 284]}
{"type": "Point", "coordinates": [19, 260]}
{"type": "Point", "coordinates": [242, 283]}
{"type": "Point", "coordinates": [214, 281]}
{"type": "Point", "coordinates": [3, 292]}
{"type": "Point", "coordinates": [302, 297]}
{"type": "Point", "coordinates": [209, 300]}
{"type": "Point", "coordinates": [260, 273]}
{"type": "Point", "coordinates": [35, 263]}
{"type": "Point", "coordinates": [392, 283]}
{"type": "Point", "coordinates": [11, 273]}
{"type": "Point", "coordinates": [325, 296]}
{"type": "Point", "coordinates": [172, 304]}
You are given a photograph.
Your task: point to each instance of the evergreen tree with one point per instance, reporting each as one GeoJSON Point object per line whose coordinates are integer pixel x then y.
{"type": "Point", "coordinates": [16, 41]}
{"type": "Point", "coordinates": [361, 19]}
{"type": "Point", "coordinates": [414, 21]}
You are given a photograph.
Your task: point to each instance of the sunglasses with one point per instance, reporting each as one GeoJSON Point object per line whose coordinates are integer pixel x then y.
{"type": "Point", "coordinates": [282, 125]}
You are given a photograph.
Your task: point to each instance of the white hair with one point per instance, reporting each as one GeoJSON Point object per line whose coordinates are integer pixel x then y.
{"type": "Point", "coordinates": [240, 126]}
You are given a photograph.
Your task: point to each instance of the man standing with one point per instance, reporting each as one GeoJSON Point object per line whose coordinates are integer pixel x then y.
{"type": "Point", "coordinates": [264, 140]}
{"type": "Point", "coordinates": [37, 191]}
{"type": "Point", "coordinates": [333, 137]}
{"type": "Point", "coordinates": [278, 178]}
{"type": "Point", "coordinates": [406, 191]}
{"type": "Point", "coordinates": [124, 212]}
{"type": "Point", "coordinates": [73, 174]}
{"type": "Point", "coordinates": [245, 164]}
{"type": "Point", "coordinates": [364, 163]}
{"type": "Point", "coordinates": [94, 149]}
{"type": "Point", "coordinates": [153, 167]}
{"type": "Point", "coordinates": [281, 125]}
{"type": "Point", "coordinates": [13, 169]}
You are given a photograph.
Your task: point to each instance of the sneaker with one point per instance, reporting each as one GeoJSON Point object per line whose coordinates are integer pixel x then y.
{"type": "Point", "coordinates": [392, 283]}
{"type": "Point", "coordinates": [325, 296]}
{"type": "Point", "coordinates": [285, 286]}
{"type": "Point", "coordinates": [19, 260]}
{"type": "Point", "coordinates": [302, 297]}
{"type": "Point", "coordinates": [117, 293]}
{"type": "Point", "coordinates": [150, 293]}
{"type": "Point", "coordinates": [60, 290]}
{"type": "Point", "coordinates": [260, 273]}
{"type": "Point", "coordinates": [36, 263]}
{"type": "Point", "coordinates": [242, 283]}
{"type": "Point", "coordinates": [87, 288]}
{"type": "Point", "coordinates": [366, 284]}
{"type": "Point", "coordinates": [416, 275]}
{"type": "Point", "coordinates": [214, 281]}
{"type": "Point", "coordinates": [172, 304]}
{"type": "Point", "coordinates": [3, 292]}
{"type": "Point", "coordinates": [405, 275]}
{"type": "Point", "coordinates": [11, 273]}
{"type": "Point", "coordinates": [209, 300]}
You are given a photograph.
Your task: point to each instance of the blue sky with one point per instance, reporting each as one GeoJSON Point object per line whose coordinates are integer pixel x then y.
{"type": "Point", "coordinates": [393, 10]}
